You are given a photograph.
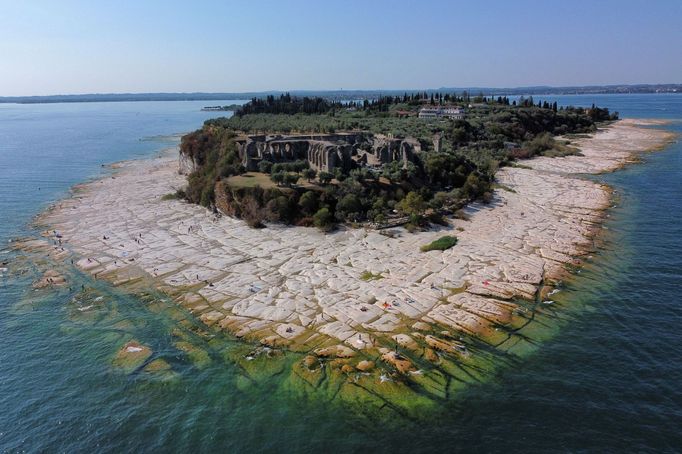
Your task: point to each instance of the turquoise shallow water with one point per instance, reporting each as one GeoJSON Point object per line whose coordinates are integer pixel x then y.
{"type": "Point", "coordinates": [610, 380]}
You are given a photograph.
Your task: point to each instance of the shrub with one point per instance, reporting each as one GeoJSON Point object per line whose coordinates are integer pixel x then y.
{"type": "Point", "coordinates": [411, 227]}
{"type": "Point", "coordinates": [265, 166]}
{"type": "Point", "coordinates": [323, 219]}
{"type": "Point", "coordinates": [207, 196]}
{"type": "Point", "coordinates": [412, 204]}
{"type": "Point", "coordinates": [291, 178]}
{"type": "Point", "coordinates": [369, 276]}
{"type": "Point", "coordinates": [325, 177]}
{"type": "Point", "coordinates": [541, 142]}
{"type": "Point", "coordinates": [251, 212]}
{"type": "Point", "coordinates": [461, 214]}
{"type": "Point", "coordinates": [441, 244]}
{"type": "Point", "coordinates": [277, 177]}
{"type": "Point", "coordinates": [309, 174]}
{"type": "Point", "coordinates": [348, 207]}
{"type": "Point", "coordinates": [308, 202]}
{"type": "Point", "coordinates": [438, 218]}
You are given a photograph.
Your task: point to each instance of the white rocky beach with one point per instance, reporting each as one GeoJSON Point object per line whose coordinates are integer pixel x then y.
{"type": "Point", "coordinates": [298, 287]}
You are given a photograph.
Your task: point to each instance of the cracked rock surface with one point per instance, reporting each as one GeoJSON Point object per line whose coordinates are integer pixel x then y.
{"type": "Point", "coordinates": [295, 286]}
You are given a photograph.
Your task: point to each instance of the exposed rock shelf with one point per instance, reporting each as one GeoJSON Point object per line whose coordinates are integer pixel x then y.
{"type": "Point", "coordinates": [302, 289]}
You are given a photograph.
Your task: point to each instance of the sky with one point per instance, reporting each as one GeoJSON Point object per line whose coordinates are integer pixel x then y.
{"type": "Point", "coordinates": [133, 46]}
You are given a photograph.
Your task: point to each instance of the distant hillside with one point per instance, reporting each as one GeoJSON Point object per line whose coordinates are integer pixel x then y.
{"type": "Point", "coordinates": [344, 94]}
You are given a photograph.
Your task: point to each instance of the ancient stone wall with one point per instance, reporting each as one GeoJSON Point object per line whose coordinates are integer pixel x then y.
{"type": "Point", "coordinates": [326, 152]}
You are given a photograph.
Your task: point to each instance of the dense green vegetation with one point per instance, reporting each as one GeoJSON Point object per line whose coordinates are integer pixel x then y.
{"type": "Point", "coordinates": [494, 133]}
{"type": "Point", "coordinates": [215, 154]}
{"type": "Point", "coordinates": [286, 104]}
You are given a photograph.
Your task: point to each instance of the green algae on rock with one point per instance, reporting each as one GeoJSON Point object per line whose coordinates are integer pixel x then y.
{"type": "Point", "coordinates": [131, 356]}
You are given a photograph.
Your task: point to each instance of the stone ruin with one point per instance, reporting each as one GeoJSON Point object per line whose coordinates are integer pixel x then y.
{"type": "Point", "coordinates": [326, 152]}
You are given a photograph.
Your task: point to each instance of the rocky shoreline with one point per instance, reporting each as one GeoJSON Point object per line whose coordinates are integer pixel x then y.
{"type": "Point", "coordinates": [423, 316]}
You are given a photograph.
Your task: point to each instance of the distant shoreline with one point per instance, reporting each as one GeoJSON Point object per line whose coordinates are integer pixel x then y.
{"type": "Point", "coordinates": [230, 108]}
{"type": "Point", "coordinates": [345, 94]}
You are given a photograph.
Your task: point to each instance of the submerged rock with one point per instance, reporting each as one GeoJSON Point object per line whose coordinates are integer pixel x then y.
{"type": "Point", "coordinates": [431, 355]}
{"type": "Point", "coordinates": [157, 365]}
{"type": "Point", "coordinates": [199, 357]}
{"type": "Point", "coordinates": [347, 369]}
{"type": "Point", "coordinates": [131, 356]}
{"type": "Point", "coordinates": [311, 362]}
{"type": "Point", "coordinates": [336, 351]}
{"type": "Point", "coordinates": [274, 341]}
{"type": "Point", "coordinates": [406, 341]}
{"type": "Point", "coordinates": [445, 346]}
{"type": "Point", "coordinates": [401, 364]}
{"type": "Point", "coordinates": [421, 326]}
{"type": "Point", "coordinates": [365, 365]}
{"type": "Point", "coordinates": [50, 278]}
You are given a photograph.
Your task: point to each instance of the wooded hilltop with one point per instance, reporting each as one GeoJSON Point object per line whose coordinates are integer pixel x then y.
{"type": "Point", "coordinates": [408, 159]}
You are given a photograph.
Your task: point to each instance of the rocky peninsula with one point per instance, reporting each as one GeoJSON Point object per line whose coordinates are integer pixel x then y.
{"type": "Point", "coordinates": [380, 319]}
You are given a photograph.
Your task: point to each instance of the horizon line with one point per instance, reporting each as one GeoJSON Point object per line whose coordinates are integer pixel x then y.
{"type": "Point", "coordinates": [337, 90]}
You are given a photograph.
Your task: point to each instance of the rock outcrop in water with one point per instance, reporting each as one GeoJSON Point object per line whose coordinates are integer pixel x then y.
{"type": "Point", "coordinates": [433, 322]}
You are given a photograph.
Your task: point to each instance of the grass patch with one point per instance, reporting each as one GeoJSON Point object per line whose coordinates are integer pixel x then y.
{"type": "Point", "coordinates": [503, 187]}
{"type": "Point", "coordinates": [561, 149]}
{"type": "Point", "coordinates": [251, 180]}
{"type": "Point", "coordinates": [577, 136]}
{"type": "Point", "coordinates": [560, 153]}
{"type": "Point", "coordinates": [177, 195]}
{"type": "Point", "coordinates": [369, 276]}
{"type": "Point", "coordinates": [441, 244]}
{"type": "Point", "coordinates": [520, 166]}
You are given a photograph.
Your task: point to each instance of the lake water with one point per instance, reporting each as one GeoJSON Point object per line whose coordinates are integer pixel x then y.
{"type": "Point", "coordinates": [609, 381]}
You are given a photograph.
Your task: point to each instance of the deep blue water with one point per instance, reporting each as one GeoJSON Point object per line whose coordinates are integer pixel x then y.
{"type": "Point", "coordinates": [609, 381]}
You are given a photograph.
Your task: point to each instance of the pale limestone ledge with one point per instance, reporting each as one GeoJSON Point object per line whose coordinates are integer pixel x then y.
{"type": "Point", "coordinates": [291, 284]}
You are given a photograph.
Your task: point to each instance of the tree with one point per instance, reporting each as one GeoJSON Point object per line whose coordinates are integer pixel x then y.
{"type": "Point", "coordinates": [277, 178]}
{"type": "Point", "coordinates": [348, 205]}
{"type": "Point", "coordinates": [413, 204]}
{"type": "Point", "coordinates": [280, 209]}
{"type": "Point", "coordinates": [309, 174]}
{"type": "Point", "coordinates": [338, 174]}
{"type": "Point", "coordinates": [474, 186]}
{"type": "Point", "coordinates": [298, 165]}
{"type": "Point", "coordinates": [439, 200]}
{"type": "Point", "coordinates": [265, 166]}
{"type": "Point", "coordinates": [392, 171]}
{"type": "Point", "coordinates": [409, 170]}
{"type": "Point", "coordinates": [325, 177]}
{"type": "Point", "coordinates": [208, 196]}
{"type": "Point", "coordinates": [291, 178]}
{"type": "Point", "coordinates": [323, 219]}
{"type": "Point", "coordinates": [308, 202]}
